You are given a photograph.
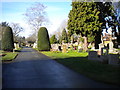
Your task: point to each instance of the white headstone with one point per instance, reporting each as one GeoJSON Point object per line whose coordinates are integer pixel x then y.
{"type": "Point", "coordinates": [35, 45]}
{"type": "Point", "coordinates": [15, 45]}
{"type": "Point", "coordinates": [110, 47]}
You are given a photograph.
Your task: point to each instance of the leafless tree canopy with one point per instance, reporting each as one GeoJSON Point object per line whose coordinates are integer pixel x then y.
{"type": "Point", "coordinates": [36, 16]}
{"type": "Point", "coordinates": [16, 28]}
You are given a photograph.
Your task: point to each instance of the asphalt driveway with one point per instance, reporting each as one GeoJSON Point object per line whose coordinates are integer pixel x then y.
{"type": "Point", "coordinates": [34, 70]}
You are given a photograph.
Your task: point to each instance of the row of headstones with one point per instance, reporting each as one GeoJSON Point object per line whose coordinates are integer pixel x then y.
{"type": "Point", "coordinates": [66, 47]}
{"type": "Point", "coordinates": [59, 47]}
{"type": "Point", "coordinates": [112, 59]}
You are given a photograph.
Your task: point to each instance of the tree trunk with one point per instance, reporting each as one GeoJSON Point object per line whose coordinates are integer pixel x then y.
{"type": "Point", "coordinates": [97, 40]}
{"type": "Point", "coordinates": [85, 44]}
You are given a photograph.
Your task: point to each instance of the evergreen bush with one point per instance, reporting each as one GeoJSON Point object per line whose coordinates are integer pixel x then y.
{"type": "Point", "coordinates": [7, 39]}
{"type": "Point", "coordinates": [43, 40]}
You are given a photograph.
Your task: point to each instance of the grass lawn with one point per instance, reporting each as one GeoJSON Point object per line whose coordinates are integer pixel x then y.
{"type": "Point", "coordinates": [10, 55]}
{"type": "Point", "coordinates": [95, 70]}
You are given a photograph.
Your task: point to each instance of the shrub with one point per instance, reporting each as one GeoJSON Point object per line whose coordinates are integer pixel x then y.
{"type": "Point", "coordinates": [7, 39]}
{"type": "Point", "coordinates": [43, 40]}
{"type": "Point", "coordinates": [64, 36]}
{"type": "Point", "coordinates": [53, 39]}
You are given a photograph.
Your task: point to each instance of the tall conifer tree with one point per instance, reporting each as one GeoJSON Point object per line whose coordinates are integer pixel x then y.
{"type": "Point", "coordinates": [64, 36]}
{"type": "Point", "coordinates": [84, 19]}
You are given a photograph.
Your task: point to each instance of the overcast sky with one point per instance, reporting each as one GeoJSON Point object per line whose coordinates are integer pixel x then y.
{"type": "Point", "coordinates": [13, 10]}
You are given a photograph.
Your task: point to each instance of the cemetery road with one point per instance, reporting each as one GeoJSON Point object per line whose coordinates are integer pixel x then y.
{"type": "Point", "coordinates": [34, 70]}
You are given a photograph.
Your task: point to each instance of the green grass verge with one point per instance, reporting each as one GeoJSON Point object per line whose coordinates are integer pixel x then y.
{"type": "Point", "coordinates": [9, 56]}
{"type": "Point", "coordinates": [95, 70]}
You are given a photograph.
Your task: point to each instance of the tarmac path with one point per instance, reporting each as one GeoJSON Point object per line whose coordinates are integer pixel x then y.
{"type": "Point", "coordinates": [32, 69]}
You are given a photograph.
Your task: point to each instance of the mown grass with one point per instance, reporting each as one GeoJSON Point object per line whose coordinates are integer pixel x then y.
{"type": "Point", "coordinates": [95, 70]}
{"type": "Point", "coordinates": [9, 55]}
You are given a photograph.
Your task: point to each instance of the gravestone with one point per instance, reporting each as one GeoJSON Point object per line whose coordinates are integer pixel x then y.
{"type": "Point", "coordinates": [104, 51]}
{"type": "Point", "coordinates": [113, 59]}
{"type": "Point", "coordinates": [16, 45]}
{"type": "Point", "coordinates": [79, 48]}
{"type": "Point", "coordinates": [56, 47]}
{"type": "Point", "coordinates": [119, 46]}
{"type": "Point", "coordinates": [92, 55]}
{"type": "Point", "coordinates": [64, 48]}
{"type": "Point", "coordinates": [104, 59]}
{"type": "Point", "coordinates": [110, 47]}
{"type": "Point", "coordinates": [101, 45]}
{"type": "Point", "coordinates": [35, 45]}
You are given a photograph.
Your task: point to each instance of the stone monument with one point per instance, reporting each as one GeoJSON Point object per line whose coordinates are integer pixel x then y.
{"type": "Point", "coordinates": [64, 48]}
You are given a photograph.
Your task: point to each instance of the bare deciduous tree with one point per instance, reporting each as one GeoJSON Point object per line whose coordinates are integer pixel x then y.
{"type": "Point", "coordinates": [16, 28]}
{"type": "Point", "coordinates": [36, 16]}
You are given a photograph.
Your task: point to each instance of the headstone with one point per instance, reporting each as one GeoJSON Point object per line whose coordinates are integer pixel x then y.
{"type": "Point", "coordinates": [101, 45]}
{"type": "Point", "coordinates": [110, 47]}
{"type": "Point", "coordinates": [119, 46]}
{"type": "Point", "coordinates": [79, 48]}
{"type": "Point", "coordinates": [92, 55]}
{"type": "Point", "coordinates": [113, 59]}
{"type": "Point", "coordinates": [35, 45]}
{"type": "Point", "coordinates": [56, 47]}
{"type": "Point", "coordinates": [104, 59]}
{"type": "Point", "coordinates": [64, 50]}
{"type": "Point", "coordinates": [104, 51]}
{"type": "Point", "coordinates": [16, 45]}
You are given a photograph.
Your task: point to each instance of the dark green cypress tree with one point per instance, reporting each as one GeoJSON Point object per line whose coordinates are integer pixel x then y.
{"type": "Point", "coordinates": [64, 36]}
{"type": "Point", "coordinates": [87, 18]}
{"type": "Point", "coordinates": [7, 39]}
{"type": "Point", "coordinates": [43, 40]}
{"type": "Point", "coordinates": [84, 19]}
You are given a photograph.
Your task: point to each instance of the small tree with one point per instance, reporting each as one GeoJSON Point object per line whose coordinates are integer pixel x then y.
{"type": "Point", "coordinates": [53, 39]}
{"type": "Point", "coordinates": [7, 39]}
{"type": "Point", "coordinates": [64, 36]}
{"type": "Point", "coordinates": [43, 40]}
